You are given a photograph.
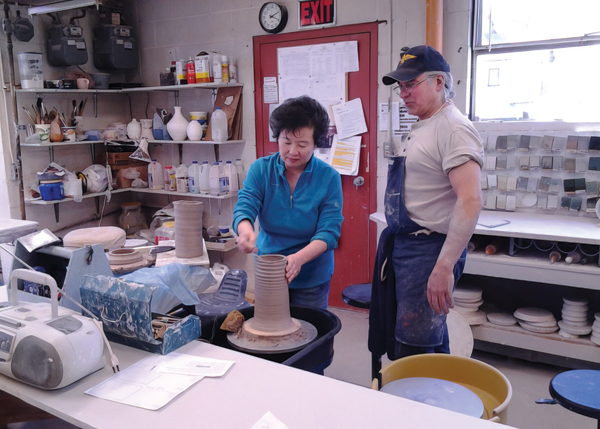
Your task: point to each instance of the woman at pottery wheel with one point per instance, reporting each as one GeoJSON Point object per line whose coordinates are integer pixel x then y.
{"type": "Point", "coordinates": [297, 199]}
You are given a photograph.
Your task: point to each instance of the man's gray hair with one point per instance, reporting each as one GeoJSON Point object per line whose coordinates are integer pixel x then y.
{"type": "Point", "coordinates": [449, 92]}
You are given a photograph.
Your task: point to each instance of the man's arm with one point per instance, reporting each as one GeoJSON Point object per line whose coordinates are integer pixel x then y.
{"type": "Point", "coordinates": [466, 185]}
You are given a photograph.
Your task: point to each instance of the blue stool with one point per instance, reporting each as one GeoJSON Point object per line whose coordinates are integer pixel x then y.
{"type": "Point", "coordinates": [358, 295]}
{"type": "Point", "coordinates": [579, 391]}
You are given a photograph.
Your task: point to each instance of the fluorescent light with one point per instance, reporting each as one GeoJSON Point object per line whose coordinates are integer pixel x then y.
{"type": "Point", "coordinates": [63, 5]}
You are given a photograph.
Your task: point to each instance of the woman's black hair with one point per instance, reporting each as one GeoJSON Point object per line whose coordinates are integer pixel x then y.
{"type": "Point", "coordinates": [301, 112]}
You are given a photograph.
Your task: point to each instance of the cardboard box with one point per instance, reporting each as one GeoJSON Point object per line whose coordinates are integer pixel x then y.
{"type": "Point", "coordinates": [117, 159]}
{"type": "Point", "coordinates": [124, 182]}
{"type": "Point", "coordinates": [124, 308]}
{"type": "Point", "coordinates": [220, 244]}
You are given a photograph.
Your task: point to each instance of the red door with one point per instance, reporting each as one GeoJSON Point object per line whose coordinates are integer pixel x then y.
{"type": "Point", "coordinates": [357, 246]}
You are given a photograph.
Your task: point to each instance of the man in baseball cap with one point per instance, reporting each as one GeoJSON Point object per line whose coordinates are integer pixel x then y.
{"type": "Point", "coordinates": [432, 204]}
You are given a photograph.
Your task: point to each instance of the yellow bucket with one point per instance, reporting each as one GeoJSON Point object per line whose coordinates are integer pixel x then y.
{"type": "Point", "coordinates": [492, 387]}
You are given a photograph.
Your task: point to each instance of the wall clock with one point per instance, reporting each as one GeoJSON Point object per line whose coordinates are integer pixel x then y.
{"type": "Point", "coordinates": [273, 17]}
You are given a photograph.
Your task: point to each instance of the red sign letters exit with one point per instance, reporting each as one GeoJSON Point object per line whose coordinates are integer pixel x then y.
{"type": "Point", "coordinates": [316, 13]}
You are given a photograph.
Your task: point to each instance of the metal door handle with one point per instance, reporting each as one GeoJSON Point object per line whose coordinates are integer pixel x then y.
{"type": "Point", "coordinates": [359, 181]}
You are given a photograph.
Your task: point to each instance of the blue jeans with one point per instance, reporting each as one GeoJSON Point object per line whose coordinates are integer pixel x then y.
{"type": "Point", "coordinates": [317, 297]}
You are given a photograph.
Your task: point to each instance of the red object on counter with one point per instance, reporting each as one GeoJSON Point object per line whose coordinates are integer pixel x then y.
{"type": "Point", "coordinates": [190, 70]}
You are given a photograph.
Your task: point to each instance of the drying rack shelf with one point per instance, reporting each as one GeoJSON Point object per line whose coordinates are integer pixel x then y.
{"type": "Point", "coordinates": [515, 336]}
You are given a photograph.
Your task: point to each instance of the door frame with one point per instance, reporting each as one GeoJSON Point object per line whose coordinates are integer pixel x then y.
{"type": "Point", "coordinates": [371, 143]}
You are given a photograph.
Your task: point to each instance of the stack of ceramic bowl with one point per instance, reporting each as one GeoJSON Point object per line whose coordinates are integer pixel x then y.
{"type": "Point", "coordinates": [536, 320]}
{"type": "Point", "coordinates": [574, 318]}
{"type": "Point", "coordinates": [595, 337]}
{"type": "Point", "coordinates": [467, 300]}
{"type": "Point", "coordinates": [272, 308]}
{"type": "Point", "coordinates": [501, 319]}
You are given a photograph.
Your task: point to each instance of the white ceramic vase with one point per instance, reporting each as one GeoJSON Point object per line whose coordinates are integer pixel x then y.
{"type": "Point", "coordinates": [194, 131]}
{"type": "Point", "coordinates": [134, 129]}
{"type": "Point", "coordinates": [177, 126]}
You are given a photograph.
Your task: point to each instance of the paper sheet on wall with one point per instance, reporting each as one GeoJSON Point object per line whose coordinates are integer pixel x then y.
{"type": "Point", "coordinates": [318, 71]}
{"type": "Point", "coordinates": [345, 154]}
{"type": "Point", "coordinates": [349, 118]}
{"type": "Point", "coordinates": [270, 93]}
{"type": "Point", "coordinates": [384, 116]}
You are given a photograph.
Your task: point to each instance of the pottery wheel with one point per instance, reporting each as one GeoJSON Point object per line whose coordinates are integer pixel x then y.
{"type": "Point", "coordinates": [247, 342]}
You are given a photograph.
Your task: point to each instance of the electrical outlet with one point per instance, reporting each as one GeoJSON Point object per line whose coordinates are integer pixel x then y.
{"type": "Point", "coordinates": [13, 172]}
{"type": "Point", "coordinates": [388, 149]}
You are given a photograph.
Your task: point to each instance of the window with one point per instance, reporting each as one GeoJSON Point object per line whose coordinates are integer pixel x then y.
{"type": "Point", "coordinates": [536, 60]}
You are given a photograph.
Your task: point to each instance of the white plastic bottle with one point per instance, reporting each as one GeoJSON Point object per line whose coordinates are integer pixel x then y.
{"type": "Point", "coordinates": [204, 183]}
{"type": "Point", "coordinates": [219, 125]}
{"type": "Point", "coordinates": [167, 178]}
{"type": "Point", "coordinates": [194, 178]}
{"type": "Point", "coordinates": [241, 172]}
{"type": "Point", "coordinates": [214, 179]}
{"type": "Point", "coordinates": [155, 175]}
{"type": "Point", "coordinates": [232, 178]}
{"type": "Point", "coordinates": [182, 178]}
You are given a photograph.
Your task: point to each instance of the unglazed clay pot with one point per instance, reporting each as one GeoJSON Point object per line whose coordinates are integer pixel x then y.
{"type": "Point", "coordinates": [177, 126]}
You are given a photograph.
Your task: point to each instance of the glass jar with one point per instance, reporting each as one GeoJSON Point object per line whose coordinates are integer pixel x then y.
{"type": "Point", "coordinates": [132, 219]}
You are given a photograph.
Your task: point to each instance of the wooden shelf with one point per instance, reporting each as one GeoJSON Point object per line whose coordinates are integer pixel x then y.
{"type": "Point", "coordinates": [201, 142]}
{"type": "Point", "coordinates": [139, 190]}
{"type": "Point", "coordinates": [66, 200]}
{"type": "Point", "coordinates": [181, 194]}
{"type": "Point", "coordinates": [515, 336]}
{"type": "Point", "coordinates": [533, 269]}
{"type": "Point", "coordinates": [129, 90]}
{"type": "Point", "coordinates": [61, 143]}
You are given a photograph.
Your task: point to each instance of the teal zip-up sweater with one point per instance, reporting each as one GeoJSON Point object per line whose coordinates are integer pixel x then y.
{"type": "Point", "coordinates": [289, 222]}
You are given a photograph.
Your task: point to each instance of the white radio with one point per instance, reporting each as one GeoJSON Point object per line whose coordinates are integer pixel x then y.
{"type": "Point", "coordinates": [43, 344]}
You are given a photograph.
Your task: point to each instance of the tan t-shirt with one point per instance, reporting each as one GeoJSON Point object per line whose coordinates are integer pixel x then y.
{"type": "Point", "coordinates": [433, 148]}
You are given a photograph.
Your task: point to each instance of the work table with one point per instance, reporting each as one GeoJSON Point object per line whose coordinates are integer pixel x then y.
{"type": "Point", "coordinates": [250, 388]}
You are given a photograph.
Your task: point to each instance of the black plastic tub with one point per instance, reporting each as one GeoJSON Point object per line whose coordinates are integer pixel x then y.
{"type": "Point", "coordinates": [315, 357]}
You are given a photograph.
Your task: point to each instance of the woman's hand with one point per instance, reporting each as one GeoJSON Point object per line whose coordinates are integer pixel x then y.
{"type": "Point", "coordinates": [293, 267]}
{"type": "Point", "coordinates": [246, 241]}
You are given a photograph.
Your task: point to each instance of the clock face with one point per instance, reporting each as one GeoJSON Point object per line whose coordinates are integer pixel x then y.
{"type": "Point", "coordinates": [272, 17]}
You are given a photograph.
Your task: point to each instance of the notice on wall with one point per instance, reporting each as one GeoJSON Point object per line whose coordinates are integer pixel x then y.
{"type": "Point", "coordinates": [270, 93]}
{"type": "Point", "coordinates": [349, 118]}
{"type": "Point", "coordinates": [344, 155]}
{"type": "Point", "coordinates": [318, 71]}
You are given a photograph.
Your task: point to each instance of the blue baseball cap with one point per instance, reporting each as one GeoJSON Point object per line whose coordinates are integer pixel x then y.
{"type": "Point", "coordinates": [416, 60]}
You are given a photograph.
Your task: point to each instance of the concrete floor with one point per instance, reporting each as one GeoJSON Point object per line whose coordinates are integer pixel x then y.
{"type": "Point", "coordinates": [352, 363]}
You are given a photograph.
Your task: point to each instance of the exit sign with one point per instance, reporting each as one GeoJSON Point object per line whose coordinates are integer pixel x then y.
{"type": "Point", "coordinates": [316, 13]}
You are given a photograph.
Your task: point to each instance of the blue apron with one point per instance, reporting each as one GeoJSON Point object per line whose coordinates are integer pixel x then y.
{"type": "Point", "coordinates": [413, 258]}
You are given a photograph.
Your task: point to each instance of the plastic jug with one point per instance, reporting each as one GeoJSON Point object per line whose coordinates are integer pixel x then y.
{"type": "Point", "coordinates": [165, 232]}
{"type": "Point", "coordinates": [241, 172]}
{"type": "Point", "coordinates": [215, 176]}
{"type": "Point", "coordinates": [219, 125]}
{"type": "Point", "coordinates": [167, 177]}
{"type": "Point", "coordinates": [232, 178]}
{"type": "Point", "coordinates": [194, 177]}
{"type": "Point", "coordinates": [155, 175]}
{"type": "Point", "coordinates": [30, 69]}
{"type": "Point", "coordinates": [204, 183]}
{"type": "Point", "coordinates": [182, 178]}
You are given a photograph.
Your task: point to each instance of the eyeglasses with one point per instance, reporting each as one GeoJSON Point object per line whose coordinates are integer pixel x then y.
{"type": "Point", "coordinates": [409, 87]}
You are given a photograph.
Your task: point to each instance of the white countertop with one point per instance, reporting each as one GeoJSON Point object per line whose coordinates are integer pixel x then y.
{"type": "Point", "coordinates": [252, 387]}
{"type": "Point", "coordinates": [573, 229]}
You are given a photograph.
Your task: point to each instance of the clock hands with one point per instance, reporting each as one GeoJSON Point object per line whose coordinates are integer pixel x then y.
{"type": "Point", "coordinates": [271, 16]}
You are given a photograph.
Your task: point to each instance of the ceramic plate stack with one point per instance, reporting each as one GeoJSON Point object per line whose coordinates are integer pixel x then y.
{"type": "Point", "coordinates": [595, 338]}
{"type": "Point", "coordinates": [467, 300]}
{"type": "Point", "coordinates": [536, 320]}
{"type": "Point", "coordinates": [502, 319]}
{"type": "Point", "coordinates": [574, 318]}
